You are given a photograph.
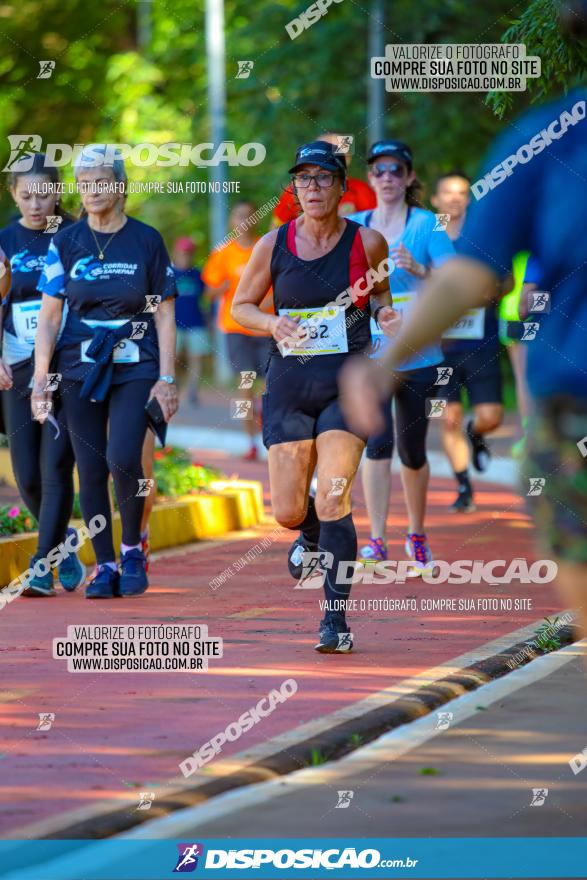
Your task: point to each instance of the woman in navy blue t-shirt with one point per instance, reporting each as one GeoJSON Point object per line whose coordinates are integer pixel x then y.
{"type": "Point", "coordinates": [116, 352]}
{"type": "Point", "coordinates": [41, 455]}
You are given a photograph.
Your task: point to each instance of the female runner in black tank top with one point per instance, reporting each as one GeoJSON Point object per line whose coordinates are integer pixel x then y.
{"type": "Point", "coordinates": [313, 263]}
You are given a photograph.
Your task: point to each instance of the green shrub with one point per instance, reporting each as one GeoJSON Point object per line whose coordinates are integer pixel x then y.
{"type": "Point", "coordinates": [15, 520]}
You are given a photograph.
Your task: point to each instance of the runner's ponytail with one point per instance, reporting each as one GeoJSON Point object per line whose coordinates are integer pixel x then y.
{"type": "Point", "coordinates": [415, 194]}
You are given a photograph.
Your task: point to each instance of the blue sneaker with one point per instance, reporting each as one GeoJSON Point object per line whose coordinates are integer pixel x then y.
{"type": "Point", "coordinates": [133, 577]}
{"type": "Point", "coordinates": [335, 636]}
{"type": "Point", "coordinates": [105, 584]}
{"type": "Point", "coordinates": [71, 572]}
{"type": "Point", "coordinates": [40, 586]}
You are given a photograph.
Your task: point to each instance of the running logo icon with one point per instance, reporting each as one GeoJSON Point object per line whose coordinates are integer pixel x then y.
{"type": "Point", "coordinates": [443, 720]}
{"type": "Point", "coordinates": [539, 796]}
{"type": "Point", "coordinates": [187, 860]}
{"type": "Point", "coordinates": [314, 568]}
{"type": "Point", "coordinates": [539, 301]}
{"type": "Point", "coordinates": [536, 486]}
{"type": "Point", "coordinates": [145, 486]}
{"type": "Point", "coordinates": [22, 150]}
{"type": "Point", "coordinates": [344, 798]}
{"type": "Point", "coordinates": [345, 641]}
{"type": "Point", "coordinates": [53, 223]}
{"type": "Point", "coordinates": [530, 331]}
{"type": "Point", "coordinates": [435, 407]}
{"type": "Point", "coordinates": [244, 69]}
{"type": "Point", "coordinates": [344, 144]}
{"type": "Point", "coordinates": [338, 486]}
{"type": "Point", "coordinates": [152, 303]}
{"type": "Point", "coordinates": [46, 720]}
{"type": "Point", "coordinates": [146, 798]}
{"type": "Point", "coordinates": [46, 69]}
{"type": "Point", "coordinates": [241, 409]}
{"type": "Point", "coordinates": [43, 408]}
{"type": "Point", "coordinates": [247, 379]}
{"type": "Point", "coordinates": [139, 329]}
{"type": "Point", "coordinates": [444, 375]}
{"type": "Point", "coordinates": [442, 221]}
{"type": "Point", "coordinates": [53, 380]}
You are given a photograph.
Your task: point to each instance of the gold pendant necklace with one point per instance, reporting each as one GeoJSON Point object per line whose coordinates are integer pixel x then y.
{"type": "Point", "coordinates": [102, 250]}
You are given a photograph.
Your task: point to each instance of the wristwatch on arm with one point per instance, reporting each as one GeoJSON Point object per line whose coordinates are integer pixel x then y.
{"type": "Point", "coordinates": [376, 313]}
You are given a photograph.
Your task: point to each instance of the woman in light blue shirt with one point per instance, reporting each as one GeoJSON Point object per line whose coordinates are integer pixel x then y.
{"type": "Point", "coordinates": [417, 244]}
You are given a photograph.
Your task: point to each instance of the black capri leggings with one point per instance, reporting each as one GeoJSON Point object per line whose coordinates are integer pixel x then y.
{"type": "Point", "coordinates": [410, 418]}
{"type": "Point", "coordinates": [108, 438]}
{"type": "Point", "coordinates": [42, 464]}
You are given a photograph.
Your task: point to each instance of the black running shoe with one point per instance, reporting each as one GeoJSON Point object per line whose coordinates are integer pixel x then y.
{"type": "Point", "coordinates": [479, 448]}
{"type": "Point", "coordinates": [335, 636]}
{"type": "Point", "coordinates": [295, 557]}
{"type": "Point", "coordinates": [464, 502]}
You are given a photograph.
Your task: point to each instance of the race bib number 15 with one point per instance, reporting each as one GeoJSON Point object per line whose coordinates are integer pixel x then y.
{"type": "Point", "coordinates": [25, 316]}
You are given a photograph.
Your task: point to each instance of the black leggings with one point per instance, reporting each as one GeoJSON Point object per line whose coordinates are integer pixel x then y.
{"type": "Point", "coordinates": [410, 417]}
{"type": "Point", "coordinates": [42, 465]}
{"type": "Point", "coordinates": [108, 438]}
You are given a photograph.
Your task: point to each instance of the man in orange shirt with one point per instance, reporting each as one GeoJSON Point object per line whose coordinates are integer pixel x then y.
{"type": "Point", "coordinates": [248, 351]}
{"type": "Point", "coordinates": [358, 195]}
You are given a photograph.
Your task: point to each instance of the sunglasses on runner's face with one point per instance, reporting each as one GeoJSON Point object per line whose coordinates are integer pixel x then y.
{"type": "Point", "coordinates": [393, 168]}
{"type": "Point", "coordinates": [323, 179]}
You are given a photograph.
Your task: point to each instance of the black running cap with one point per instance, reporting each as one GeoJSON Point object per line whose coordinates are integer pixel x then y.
{"type": "Point", "coordinates": [390, 148]}
{"type": "Point", "coordinates": [320, 153]}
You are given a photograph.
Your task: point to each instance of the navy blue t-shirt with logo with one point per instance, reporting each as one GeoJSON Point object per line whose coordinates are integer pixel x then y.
{"type": "Point", "coordinates": [190, 287]}
{"type": "Point", "coordinates": [26, 249]}
{"type": "Point", "coordinates": [109, 292]}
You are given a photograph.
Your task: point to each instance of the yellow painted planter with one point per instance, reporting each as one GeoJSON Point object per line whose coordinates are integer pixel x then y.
{"type": "Point", "coordinates": [250, 498]}
{"type": "Point", "coordinates": [6, 473]}
{"type": "Point", "coordinates": [233, 505]}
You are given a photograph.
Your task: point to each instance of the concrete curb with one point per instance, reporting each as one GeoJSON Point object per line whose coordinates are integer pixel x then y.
{"type": "Point", "coordinates": [102, 820]}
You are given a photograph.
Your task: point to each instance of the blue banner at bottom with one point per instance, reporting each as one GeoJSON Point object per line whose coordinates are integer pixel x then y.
{"type": "Point", "coordinates": [370, 858]}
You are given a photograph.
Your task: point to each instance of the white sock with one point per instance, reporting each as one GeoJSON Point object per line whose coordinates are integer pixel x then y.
{"type": "Point", "coordinates": [111, 565]}
{"type": "Point", "coordinates": [124, 548]}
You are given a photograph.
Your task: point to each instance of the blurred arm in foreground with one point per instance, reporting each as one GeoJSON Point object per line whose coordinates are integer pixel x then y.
{"type": "Point", "coordinates": [452, 289]}
{"type": "Point", "coordinates": [532, 197]}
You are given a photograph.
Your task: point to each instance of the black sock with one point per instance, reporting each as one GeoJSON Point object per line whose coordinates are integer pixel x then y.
{"type": "Point", "coordinates": [340, 539]}
{"type": "Point", "coordinates": [462, 478]}
{"type": "Point", "coordinates": [310, 527]}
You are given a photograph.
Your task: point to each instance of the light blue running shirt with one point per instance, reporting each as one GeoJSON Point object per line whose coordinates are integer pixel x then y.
{"type": "Point", "coordinates": [428, 247]}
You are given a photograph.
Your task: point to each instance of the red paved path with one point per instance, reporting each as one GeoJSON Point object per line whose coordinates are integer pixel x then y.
{"type": "Point", "coordinates": [116, 731]}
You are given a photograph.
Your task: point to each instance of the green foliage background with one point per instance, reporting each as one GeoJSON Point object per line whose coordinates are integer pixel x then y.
{"type": "Point", "coordinates": [106, 87]}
